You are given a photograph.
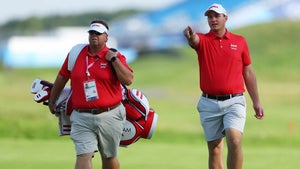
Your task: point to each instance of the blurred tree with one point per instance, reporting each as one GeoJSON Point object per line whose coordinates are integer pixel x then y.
{"type": "Point", "coordinates": [34, 24]}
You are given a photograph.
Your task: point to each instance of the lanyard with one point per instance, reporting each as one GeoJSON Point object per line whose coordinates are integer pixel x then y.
{"type": "Point", "coordinates": [88, 66]}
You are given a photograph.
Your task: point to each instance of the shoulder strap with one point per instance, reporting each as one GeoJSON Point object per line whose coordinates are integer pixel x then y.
{"type": "Point", "coordinates": [73, 54]}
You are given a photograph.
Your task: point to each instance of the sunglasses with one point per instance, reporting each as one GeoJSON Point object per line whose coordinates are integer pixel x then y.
{"type": "Point", "coordinates": [95, 32]}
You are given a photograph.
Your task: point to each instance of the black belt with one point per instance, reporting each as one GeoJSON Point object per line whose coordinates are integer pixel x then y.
{"type": "Point", "coordinates": [221, 97]}
{"type": "Point", "coordinates": [97, 110]}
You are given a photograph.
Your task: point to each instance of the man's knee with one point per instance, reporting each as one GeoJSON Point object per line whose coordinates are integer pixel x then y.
{"type": "Point", "coordinates": [233, 138]}
{"type": "Point", "coordinates": [216, 146]}
{"type": "Point", "coordinates": [110, 163]}
{"type": "Point", "coordinates": [84, 161]}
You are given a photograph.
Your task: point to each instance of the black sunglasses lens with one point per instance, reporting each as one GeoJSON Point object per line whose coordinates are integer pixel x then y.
{"type": "Point", "coordinates": [94, 32]}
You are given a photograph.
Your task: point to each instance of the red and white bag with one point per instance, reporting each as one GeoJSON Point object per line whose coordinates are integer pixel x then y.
{"type": "Point", "coordinates": [41, 90]}
{"type": "Point", "coordinates": [140, 118]}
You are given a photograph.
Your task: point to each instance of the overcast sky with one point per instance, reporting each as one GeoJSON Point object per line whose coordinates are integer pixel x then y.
{"type": "Point", "coordinates": [20, 9]}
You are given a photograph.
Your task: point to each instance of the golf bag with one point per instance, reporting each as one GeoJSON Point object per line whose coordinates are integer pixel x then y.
{"type": "Point", "coordinates": [140, 118]}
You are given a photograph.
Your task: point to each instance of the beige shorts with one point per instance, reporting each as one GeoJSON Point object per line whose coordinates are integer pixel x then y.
{"type": "Point", "coordinates": [216, 116]}
{"type": "Point", "coordinates": [102, 132]}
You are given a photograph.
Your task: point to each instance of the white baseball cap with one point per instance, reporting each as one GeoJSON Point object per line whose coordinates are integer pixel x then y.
{"type": "Point", "coordinates": [98, 27]}
{"type": "Point", "coordinates": [217, 8]}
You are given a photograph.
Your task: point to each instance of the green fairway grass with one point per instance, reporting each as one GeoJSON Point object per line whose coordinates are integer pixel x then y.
{"type": "Point", "coordinates": [29, 135]}
{"type": "Point", "coordinates": [48, 154]}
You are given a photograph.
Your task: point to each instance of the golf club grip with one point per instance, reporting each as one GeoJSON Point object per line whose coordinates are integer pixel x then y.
{"type": "Point", "coordinates": [45, 83]}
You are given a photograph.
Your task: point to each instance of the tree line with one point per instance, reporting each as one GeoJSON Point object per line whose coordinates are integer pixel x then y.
{"type": "Point", "coordinates": [35, 24]}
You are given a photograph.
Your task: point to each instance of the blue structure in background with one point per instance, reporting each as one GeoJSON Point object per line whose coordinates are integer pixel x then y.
{"type": "Point", "coordinates": [162, 29]}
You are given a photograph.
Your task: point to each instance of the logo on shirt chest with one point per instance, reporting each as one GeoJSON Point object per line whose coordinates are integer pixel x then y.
{"type": "Point", "coordinates": [103, 65]}
{"type": "Point", "coordinates": [233, 46]}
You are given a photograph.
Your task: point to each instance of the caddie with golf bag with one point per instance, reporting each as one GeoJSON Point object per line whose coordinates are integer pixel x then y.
{"type": "Point", "coordinates": [101, 113]}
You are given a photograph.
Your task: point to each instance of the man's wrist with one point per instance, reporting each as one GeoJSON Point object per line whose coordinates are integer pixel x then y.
{"type": "Point", "coordinates": [192, 37]}
{"type": "Point", "coordinates": [51, 103]}
{"type": "Point", "coordinates": [112, 59]}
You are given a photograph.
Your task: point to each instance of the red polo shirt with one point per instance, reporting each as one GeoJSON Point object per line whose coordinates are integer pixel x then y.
{"type": "Point", "coordinates": [221, 62]}
{"type": "Point", "coordinates": [101, 70]}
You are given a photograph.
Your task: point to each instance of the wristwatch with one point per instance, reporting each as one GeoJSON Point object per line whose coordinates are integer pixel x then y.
{"type": "Point", "coordinates": [114, 58]}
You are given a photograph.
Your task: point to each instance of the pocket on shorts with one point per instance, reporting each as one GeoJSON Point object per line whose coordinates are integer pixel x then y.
{"type": "Point", "coordinates": [72, 116]}
{"type": "Point", "coordinates": [121, 113]}
{"type": "Point", "coordinates": [206, 105]}
{"type": "Point", "coordinates": [241, 100]}
{"type": "Point", "coordinates": [200, 105]}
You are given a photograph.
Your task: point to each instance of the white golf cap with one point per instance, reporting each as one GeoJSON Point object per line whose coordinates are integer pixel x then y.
{"type": "Point", "coordinates": [98, 27]}
{"type": "Point", "coordinates": [217, 8]}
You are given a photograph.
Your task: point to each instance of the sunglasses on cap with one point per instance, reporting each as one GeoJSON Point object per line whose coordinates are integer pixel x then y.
{"type": "Point", "coordinates": [95, 32]}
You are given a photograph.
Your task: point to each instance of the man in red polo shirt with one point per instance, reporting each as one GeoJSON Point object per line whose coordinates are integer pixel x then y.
{"type": "Point", "coordinates": [224, 68]}
{"type": "Point", "coordinates": [98, 117]}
